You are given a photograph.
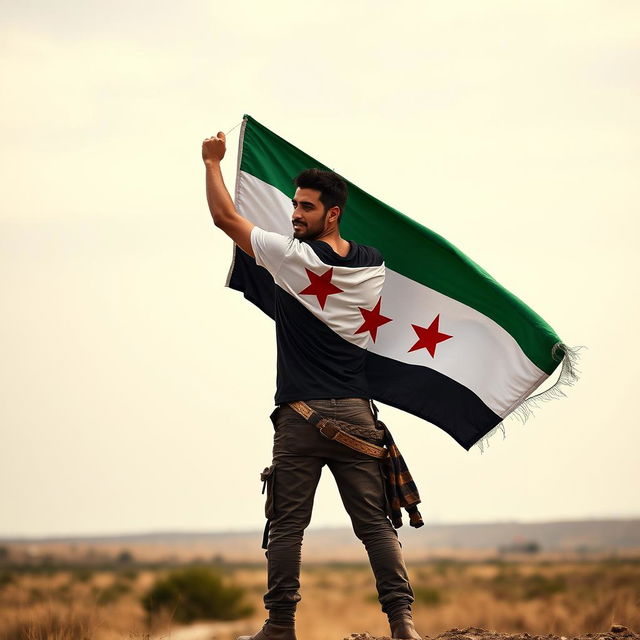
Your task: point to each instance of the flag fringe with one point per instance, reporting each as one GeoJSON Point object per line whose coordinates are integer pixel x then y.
{"type": "Point", "coordinates": [568, 377]}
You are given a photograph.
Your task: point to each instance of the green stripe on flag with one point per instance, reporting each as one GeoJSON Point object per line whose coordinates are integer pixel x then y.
{"type": "Point", "coordinates": [408, 247]}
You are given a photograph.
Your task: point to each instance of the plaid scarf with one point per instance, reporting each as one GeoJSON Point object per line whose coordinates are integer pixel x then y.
{"type": "Point", "coordinates": [401, 489]}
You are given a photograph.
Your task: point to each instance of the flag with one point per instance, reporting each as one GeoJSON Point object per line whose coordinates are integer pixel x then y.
{"type": "Point", "coordinates": [446, 342]}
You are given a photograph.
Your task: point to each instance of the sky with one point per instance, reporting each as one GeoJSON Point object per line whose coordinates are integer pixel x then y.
{"type": "Point", "coordinates": [136, 388]}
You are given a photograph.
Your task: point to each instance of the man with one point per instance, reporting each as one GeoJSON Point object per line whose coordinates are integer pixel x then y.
{"type": "Point", "coordinates": [322, 281]}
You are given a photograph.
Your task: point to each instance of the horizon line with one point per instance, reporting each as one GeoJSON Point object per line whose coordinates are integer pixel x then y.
{"type": "Point", "coordinates": [42, 537]}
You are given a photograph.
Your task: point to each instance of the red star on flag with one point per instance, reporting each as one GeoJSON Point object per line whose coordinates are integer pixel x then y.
{"type": "Point", "coordinates": [429, 338]}
{"type": "Point", "coordinates": [372, 320]}
{"type": "Point", "coordinates": [320, 286]}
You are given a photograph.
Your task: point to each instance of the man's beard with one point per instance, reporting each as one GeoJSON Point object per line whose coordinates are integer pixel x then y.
{"type": "Point", "coordinates": [305, 234]}
{"type": "Point", "coordinates": [308, 235]}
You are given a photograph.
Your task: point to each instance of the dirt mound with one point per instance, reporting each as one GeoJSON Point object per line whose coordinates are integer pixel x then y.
{"type": "Point", "coordinates": [617, 632]}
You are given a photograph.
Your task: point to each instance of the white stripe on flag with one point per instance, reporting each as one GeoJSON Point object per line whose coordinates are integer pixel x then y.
{"type": "Point", "coordinates": [481, 355]}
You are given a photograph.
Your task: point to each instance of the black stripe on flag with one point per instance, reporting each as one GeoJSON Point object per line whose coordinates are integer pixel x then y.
{"type": "Point", "coordinates": [430, 395]}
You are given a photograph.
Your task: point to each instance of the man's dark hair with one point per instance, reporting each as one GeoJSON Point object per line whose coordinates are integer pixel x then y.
{"type": "Point", "coordinates": [332, 188]}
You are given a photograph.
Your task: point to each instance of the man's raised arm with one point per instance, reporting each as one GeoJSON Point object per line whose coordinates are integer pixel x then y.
{"type": "Point", "coordinates": [223, 212]}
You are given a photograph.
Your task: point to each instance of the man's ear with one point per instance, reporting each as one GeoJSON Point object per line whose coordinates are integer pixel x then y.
{"type": "Point", "coordinates": [334, 213]}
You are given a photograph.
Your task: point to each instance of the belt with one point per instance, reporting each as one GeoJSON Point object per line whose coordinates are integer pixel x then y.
{"type": "Point", "coordinates": [330, 429]}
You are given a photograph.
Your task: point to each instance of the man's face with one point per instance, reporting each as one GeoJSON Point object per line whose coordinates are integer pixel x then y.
{"type": "Point", "coordinates": [309, 215]}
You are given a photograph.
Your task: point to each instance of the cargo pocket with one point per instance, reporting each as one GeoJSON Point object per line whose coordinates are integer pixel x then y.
{"type": "Point", "coordinates": [268, 479]}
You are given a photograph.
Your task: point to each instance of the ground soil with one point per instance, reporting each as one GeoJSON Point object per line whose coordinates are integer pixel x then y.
{"type": "Point", "coordinates": [617, 632]}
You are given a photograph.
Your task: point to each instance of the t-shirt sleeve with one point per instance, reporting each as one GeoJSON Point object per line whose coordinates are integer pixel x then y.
{"type": "Point", "coordinates": [269, 249]}
{"type": "Point", "coordinates": [378, 258]}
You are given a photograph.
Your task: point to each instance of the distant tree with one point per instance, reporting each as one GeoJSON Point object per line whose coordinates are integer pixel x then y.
{"type": "Point", "coordinates": [124, 557]}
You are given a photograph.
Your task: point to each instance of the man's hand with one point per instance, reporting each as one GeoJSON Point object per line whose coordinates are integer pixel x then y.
{"type": "Point", "coordinates": [221, 206]}
{"type": "Point", "coordinates": [213, 149]}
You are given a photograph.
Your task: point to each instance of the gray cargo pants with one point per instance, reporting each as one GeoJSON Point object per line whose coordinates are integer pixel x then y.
{"type": "Point", "coordinates": [299, 453]}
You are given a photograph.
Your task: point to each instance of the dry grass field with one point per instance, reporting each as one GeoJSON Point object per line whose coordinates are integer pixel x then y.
{"type": "Point", "coordinates": [564, 598]}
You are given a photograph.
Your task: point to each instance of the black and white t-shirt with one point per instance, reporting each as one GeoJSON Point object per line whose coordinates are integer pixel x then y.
{"type": "Point", "coordinates": [321, 301]}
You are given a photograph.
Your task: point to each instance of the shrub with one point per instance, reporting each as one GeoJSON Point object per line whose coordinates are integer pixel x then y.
{"type": "Point", "coordinates": [81, 575]}
{"type": "Point", "coordinates": [196, 592]}
{"type": "Point", "coordinates": [427, 595]}
{"type": "Point", "coordinates": [6, 578]}
{"type": "Point", "coordinates": [510, 585]}
{"type": "Point", "coordinates": [128, 574]}
{"type": "Point", "coordinates": [539, 586]}
{"type": "Point", "coordinates": [506, 583]}
{"type": "Point", "coordinates": [36, 595]}
{"type": "Point", "coordinates": [62, 593]}
{"type": "Point", "coordinates": [112, 593]}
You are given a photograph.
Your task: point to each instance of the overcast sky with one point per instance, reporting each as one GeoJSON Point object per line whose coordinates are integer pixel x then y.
{"type": "Point", "coordinates": [136, 389]}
